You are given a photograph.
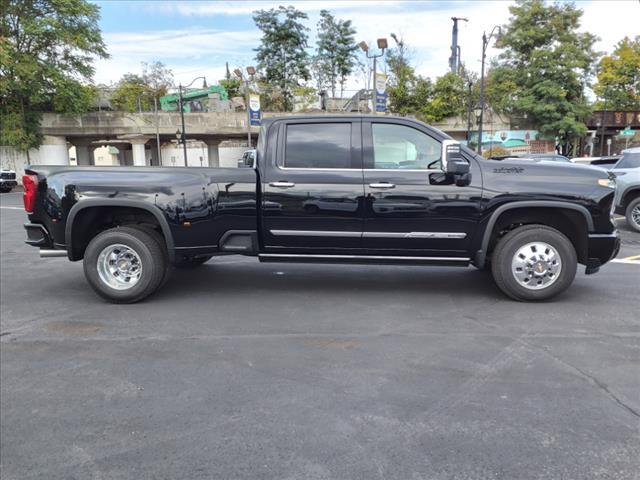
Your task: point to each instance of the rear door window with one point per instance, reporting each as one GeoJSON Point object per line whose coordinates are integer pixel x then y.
{"type": "Point", "coordinates": [318, 145]}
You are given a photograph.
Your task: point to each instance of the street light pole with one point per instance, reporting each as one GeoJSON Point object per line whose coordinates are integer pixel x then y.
{"type": "Point", "coordinates": [251, 71]}
{"type": "Point", "coordinates": [183, 135]}
{"type": "Point", "coordinates": [485, 43]}
{"type": "Point", "coordinates": [382, 45]}
{"type": "Point", "coordinates": [155, 107]}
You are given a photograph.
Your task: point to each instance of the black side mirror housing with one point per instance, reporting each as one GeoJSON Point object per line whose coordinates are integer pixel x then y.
{"type": "Point", "coordinates": [452, 160]}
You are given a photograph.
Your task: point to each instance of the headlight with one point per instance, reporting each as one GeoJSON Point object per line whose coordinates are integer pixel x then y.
{"type": "Point", "coordinates": [607, 182]}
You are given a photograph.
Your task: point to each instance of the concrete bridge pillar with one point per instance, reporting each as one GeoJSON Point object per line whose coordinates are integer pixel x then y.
{"type": "Point", "coordinates": [139, 157]}
{"type": "Point", "coordinates": [53, 151]}
{"type": "Point", "coordinates": [213, 152]}
{"type": "Point", "coordinates": [84, 152]}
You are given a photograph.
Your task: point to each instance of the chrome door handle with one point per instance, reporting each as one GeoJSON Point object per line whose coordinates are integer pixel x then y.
{"type": "Point", "coordinates": [382, 185]}
{"type": "Point", "coordinates": [282, 184]}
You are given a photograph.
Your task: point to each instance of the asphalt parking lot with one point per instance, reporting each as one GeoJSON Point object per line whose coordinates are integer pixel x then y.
{"type": "Point", "coordinates": [241, 370]}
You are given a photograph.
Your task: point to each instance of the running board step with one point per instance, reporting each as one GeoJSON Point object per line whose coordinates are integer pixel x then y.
{"type": "Point", "coordinates": [362, 259]}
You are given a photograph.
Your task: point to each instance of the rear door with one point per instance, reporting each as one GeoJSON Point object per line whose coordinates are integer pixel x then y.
{"type": "Point", "coordinates": [312, 187]}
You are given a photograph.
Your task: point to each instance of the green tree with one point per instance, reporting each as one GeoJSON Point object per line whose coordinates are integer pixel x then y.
{"type": "Point", "coordinates": [619, 77]}
{"type": "Point", "coordinates": [335, 56]}
{"type": "Point", "coordinates": [46, 53]}
{"type": "Point", "coordinates": [131, 94]}
{"type": "Point", "coordinates": [447, 98]}
{"type": "Point", "coordinates": [137, 92]}
{"type": "Point", "coordinates": [549, 64]}
{"type": "Point", "coordinates": [232, 86]}
{"type": "Point", "coordinates": [158, 78]}
{"type": "Point", "coordinates": [412, 94]}
{"type": "Point", "coordinates": [282, 54]}
{"type": "Point", "coordinates": [406, 90]}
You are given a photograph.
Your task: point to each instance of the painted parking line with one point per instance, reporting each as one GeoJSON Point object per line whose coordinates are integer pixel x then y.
{"type": "Point", "coordinates": [13, 208]}
{"type": "Point", "coordinates": [628, 260]}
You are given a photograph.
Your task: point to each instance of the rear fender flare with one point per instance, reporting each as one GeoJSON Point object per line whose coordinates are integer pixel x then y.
{"type": "Point", "coordinates": [101, 202]}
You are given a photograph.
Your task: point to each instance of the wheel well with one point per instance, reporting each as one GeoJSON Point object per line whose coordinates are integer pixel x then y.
{"type": "Point", "coordinates": [90, 221]}
{"type": "Point", "coordinates": [569, 222]}
{"type": "Point", "coordinates": [630, 196]}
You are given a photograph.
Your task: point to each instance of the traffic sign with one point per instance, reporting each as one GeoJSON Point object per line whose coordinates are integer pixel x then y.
{"type": "Point", "coordinates": [627, 132]}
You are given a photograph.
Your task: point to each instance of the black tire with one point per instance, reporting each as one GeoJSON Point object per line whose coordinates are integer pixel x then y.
{"type": "Point", "coordinates": [628, 213]}
{"type": "Point", "coordinates": [151, 257]}
{"type": "Point", "coordinates": [192, 262]}
{"type": "Point", "coordinates": [508, 246]}
{"type": "Point", "coordinates": [163, 246]}
{"type": "Point", "coordinates": [5, 190]}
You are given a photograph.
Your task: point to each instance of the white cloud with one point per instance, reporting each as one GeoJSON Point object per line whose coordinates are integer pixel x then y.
{"type": "Point", "coordinates": [425, 26]}
{"type": "Point", "coordinates": [248, 7]}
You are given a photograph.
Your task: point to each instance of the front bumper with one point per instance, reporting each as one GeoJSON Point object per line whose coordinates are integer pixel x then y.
{"type": "Point", "coordinates": [601, 248]}
{"type": "Point", "coordinates": [8, 183]}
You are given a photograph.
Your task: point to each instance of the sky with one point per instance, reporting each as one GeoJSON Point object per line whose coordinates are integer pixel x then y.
{"type": "Point", "coordinates": [195, 38]}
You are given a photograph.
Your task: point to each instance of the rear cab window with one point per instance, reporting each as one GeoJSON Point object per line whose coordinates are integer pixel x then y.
{"type": "Point", "coordinates": [318, 146]}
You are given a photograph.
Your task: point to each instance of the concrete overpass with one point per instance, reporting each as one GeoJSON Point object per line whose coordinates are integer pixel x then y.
{"type": "Point", "coordinates": [135, 132]}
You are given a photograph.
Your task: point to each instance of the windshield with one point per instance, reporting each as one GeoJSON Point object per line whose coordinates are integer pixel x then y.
{"type": "Point", "coordinates": [629, 160]}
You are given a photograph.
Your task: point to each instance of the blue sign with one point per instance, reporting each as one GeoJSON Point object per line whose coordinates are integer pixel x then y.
{"type": "Point", "coordinates": [381, 93]}
{"type": "Point", "coordinates": [254, 110]}
{"type": "Point", "coordinates": [381, 102]}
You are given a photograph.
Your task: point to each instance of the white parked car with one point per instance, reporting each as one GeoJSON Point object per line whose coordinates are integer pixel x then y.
{"type": "Point", "coordinates": [627, 199]}
{"type": "Point", "coordinates": [7, 180]}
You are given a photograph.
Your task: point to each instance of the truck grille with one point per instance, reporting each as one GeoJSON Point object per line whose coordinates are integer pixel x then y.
{"type": "Point", "coordinates": [7, 175]}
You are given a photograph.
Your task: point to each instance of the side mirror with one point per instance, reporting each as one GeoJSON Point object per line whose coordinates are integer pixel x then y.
{"type": "Point", "coordinates": [452, 160]}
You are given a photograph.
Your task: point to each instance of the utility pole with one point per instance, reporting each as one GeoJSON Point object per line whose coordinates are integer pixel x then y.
{"type": "Point", "coordinates": [485, 43]}
{"type": "Point", "coordinates": [454, 59]}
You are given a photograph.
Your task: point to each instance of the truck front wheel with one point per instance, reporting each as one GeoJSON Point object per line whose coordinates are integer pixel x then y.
{"type": "Point", "coordinates": [534, 262]}
{"type": "Point", "coordinates": [124, 264]}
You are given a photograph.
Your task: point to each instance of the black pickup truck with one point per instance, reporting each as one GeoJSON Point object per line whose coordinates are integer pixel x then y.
{"type": "Point", "coordinates": [334, 189]}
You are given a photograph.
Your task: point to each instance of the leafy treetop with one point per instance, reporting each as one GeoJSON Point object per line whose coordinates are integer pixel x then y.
{"type": "Point", "coordinates": [46, 53]}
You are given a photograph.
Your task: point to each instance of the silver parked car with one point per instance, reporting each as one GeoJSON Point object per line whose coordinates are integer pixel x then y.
{"type": "Point", "coordinates": [627, 199]}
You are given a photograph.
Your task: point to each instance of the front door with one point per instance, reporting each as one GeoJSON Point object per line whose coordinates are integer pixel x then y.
{"type": "Point", "coordinates": [411, 205]}
{"type": "Point", "coordinates": [312, 190]}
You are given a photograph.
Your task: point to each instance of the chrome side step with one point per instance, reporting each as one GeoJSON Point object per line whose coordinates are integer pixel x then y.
{"type": "Point", "coordinates": [363, 259]}
{"type": "Point", "coordinates": [45, 253]}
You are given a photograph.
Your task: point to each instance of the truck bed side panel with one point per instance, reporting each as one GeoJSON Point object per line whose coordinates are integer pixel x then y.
{"type": "Point", "coordinates": [198, 204]}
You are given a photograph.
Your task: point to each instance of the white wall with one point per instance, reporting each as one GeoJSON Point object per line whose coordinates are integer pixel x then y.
{"type": "Point", "coordinates": [12, 159]}
{"type": "Point", "coordinates": [174, 157]}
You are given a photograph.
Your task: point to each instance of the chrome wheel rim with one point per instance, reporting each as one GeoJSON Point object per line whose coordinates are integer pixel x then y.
{"type": "Point", "coordinates": [536, 265]}
{"type": "Point", "coordinates": [635, 215]}
{"type": "Point", "coordinates": [119, 267]}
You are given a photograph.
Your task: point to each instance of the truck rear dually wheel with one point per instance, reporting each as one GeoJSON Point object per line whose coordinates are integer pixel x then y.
{"type": "Point", "coordinates": [124, 264]}
{"type": "Point", "coordinates": [534, 262]}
